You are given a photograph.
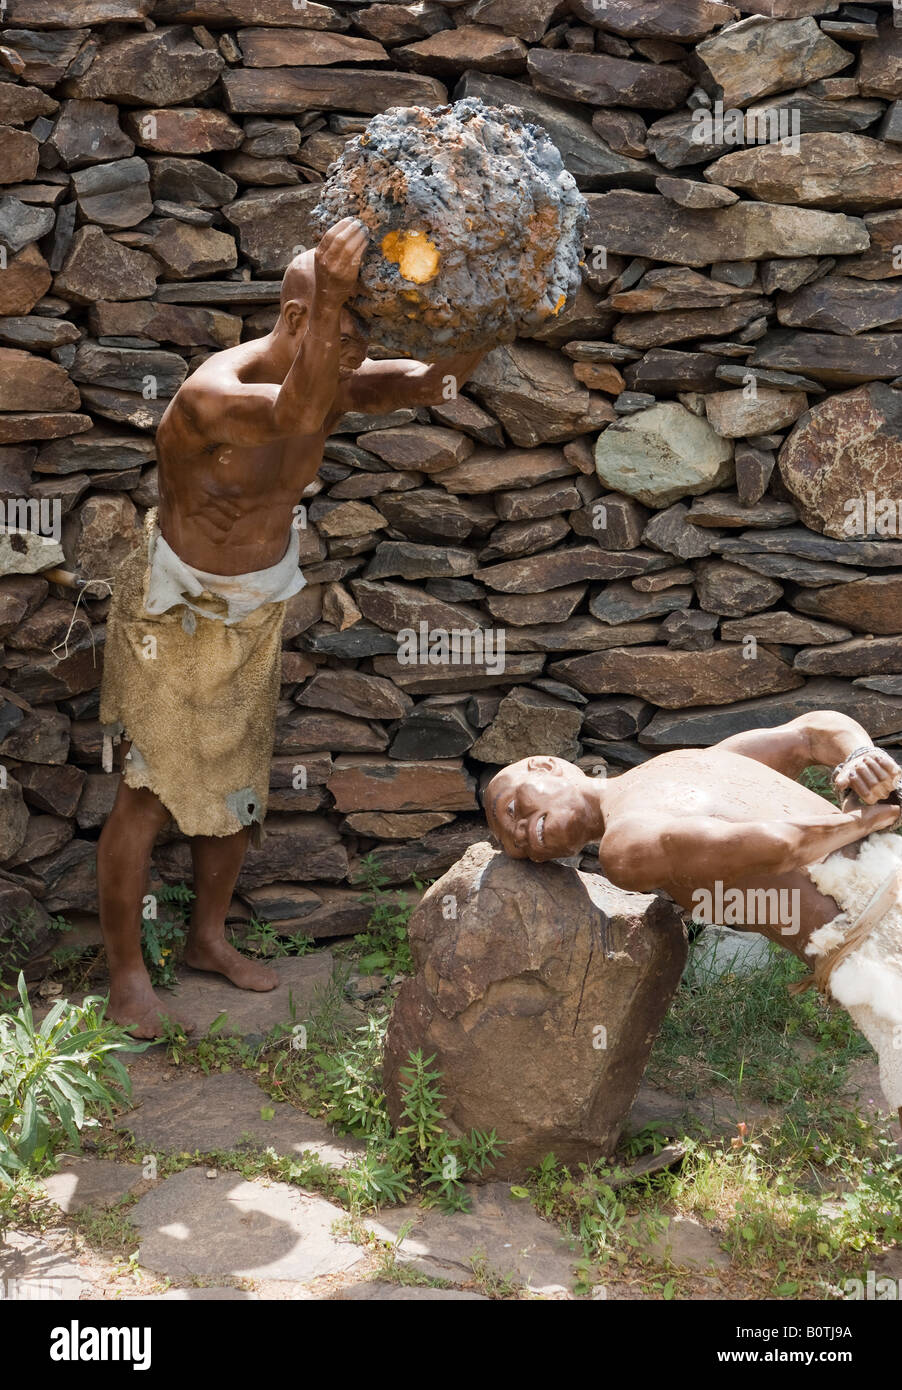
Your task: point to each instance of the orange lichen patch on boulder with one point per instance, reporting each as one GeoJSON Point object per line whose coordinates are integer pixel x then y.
{"type": "Point", "coordinates": [415, 255]}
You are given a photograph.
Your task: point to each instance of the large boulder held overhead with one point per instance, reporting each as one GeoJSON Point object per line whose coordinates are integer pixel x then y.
{"type": "Point", "coordinates": [539, 990]}
{"type": "Point", "coordinates": [475, 227]}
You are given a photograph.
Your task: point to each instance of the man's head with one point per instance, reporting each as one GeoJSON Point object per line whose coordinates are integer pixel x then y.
{"type": "Point", "coordinates": [295, 302]}
{"type": "Point", "coordinates": [543, 808]}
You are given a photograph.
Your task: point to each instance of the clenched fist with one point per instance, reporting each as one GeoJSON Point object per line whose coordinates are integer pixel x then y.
{"type": "Point", "coordinates": [871, 776]}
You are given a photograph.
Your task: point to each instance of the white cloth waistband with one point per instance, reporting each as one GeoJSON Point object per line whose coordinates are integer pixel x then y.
{"type": "Point", "coordinates": [173, 582]}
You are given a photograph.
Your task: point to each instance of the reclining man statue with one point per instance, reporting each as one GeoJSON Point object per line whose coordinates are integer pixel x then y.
{"type": "Point", "coordinates": [193, 649]}
{"type": "Point", "coordinates": [730, 834]}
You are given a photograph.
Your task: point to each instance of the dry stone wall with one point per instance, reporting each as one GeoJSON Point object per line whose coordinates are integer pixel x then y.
{"type": "Point", "coordinates": [670, 515]}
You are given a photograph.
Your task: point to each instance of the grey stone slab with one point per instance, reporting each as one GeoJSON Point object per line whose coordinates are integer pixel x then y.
{"type": "Point", "coordinates": [191, 1224]}
{"type": "Point", "coordinates": [180, 1112]}
{"type": "Point", "coordinates": [219, 1293]}
{"type": "Point", "coordinates": [31, 1269]}
{"type": "Point", "coordinates": [889, 1264]}
{"type": "Point", "coordinates": [201, 997]}
{"type": "Point", "coordinates": [684, 1242]}
{"type": "Point", "coordinates": [723, 951]}
{"type": "Point", "coordinates": [91, 1182]}
{"type": "Point", "coordinates": [376, 1291]}
{"type": "Point", "coordinates": [514, 1241]}
{"type": "Point", "coordinates": [673, 1115]}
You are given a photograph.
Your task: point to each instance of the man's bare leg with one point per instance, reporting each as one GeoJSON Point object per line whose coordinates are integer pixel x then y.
{"type": "Point", "coordinates": [123, 864]}
{"type": "Point", "coordinates": [217, 861]}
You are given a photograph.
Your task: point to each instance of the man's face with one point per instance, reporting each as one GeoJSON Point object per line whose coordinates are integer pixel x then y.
{"type": "Point", "coordinates": [353, 346]}
{"type": "Point", "coordinates": [539, 809]}
{"type": "Point", "coordinates": [352, 351]}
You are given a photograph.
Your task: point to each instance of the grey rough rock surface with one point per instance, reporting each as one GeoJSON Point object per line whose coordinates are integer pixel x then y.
{"type": "Point", "coordinates": [663, 454]}
{"type": "Point", "coordinates": [487, 196]}
{"type": "Point", "coordinates": [403, 1293]}
{"type": "Point", "coordinates": [680, 1240]}
{"type": "Point", "coordinates": [82, 1183]}
{"type": "Point", "coordinates": [39, 1271]}
{"type": "Point", "coordinates": [507, 994]}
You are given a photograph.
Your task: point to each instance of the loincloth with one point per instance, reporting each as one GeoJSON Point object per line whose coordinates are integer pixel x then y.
{"type": "Point", "coordinates": [858, 954]}
{"type": "Point", "coordinates": [194, 684]}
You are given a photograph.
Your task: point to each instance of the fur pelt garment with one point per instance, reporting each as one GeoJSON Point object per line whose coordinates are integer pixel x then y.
{"type": "Point", "coordinates": [868, 982]}
{"type": "Point", "coordinates": [195, 698]}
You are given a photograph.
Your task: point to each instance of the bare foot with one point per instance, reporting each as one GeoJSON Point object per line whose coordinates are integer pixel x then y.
{"type": "Point", "coordinates": [133, 1005]}
{"type": "Point", "coordinates": [222, 958]}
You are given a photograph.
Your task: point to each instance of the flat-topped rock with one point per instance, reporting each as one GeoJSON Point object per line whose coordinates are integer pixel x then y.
{"type": "Point", "coordinates": [86, 1182]}
{"type": "Point", "coordinates": [202, 997]}
{"type": "Point", "coordinates": [32, 1268]}
{"type": "Point", "coordinates": [507, 1004]}
{"type": "Point", "coordinates": [379, 1292]}
{"type": "Point", "coordinates": [645, 224]}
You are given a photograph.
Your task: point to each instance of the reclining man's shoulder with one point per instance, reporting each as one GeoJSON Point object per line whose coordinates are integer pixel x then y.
{"type": "Point", "coordinates": [632, 852]}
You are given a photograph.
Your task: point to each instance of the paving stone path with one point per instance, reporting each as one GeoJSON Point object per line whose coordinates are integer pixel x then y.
{"type": "Point", "coordinates": [208, 1232]}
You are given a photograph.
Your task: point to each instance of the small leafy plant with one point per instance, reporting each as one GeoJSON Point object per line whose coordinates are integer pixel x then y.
{"type": "Point", "coordinates": [52, 1077]}
{"type": "Point", "coordinates": [420, 1153]}
{"type": "Point", "coordinates": [385, 943]}
{"type": "Point", "coordinates": [264, 939]}
{"type": "Point", "coordinates": [351, 1082]}
{"type": "Point", "coordinates": [163, 937]}
{"type": "Point", "coordinates": [439, 1160]}
{"type": "Point", "coordinates": [218, 1050]}
{"type": "Point", "coordinates": [19, 933]}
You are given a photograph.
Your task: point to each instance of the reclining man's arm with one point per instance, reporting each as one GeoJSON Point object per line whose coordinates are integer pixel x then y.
{"type": "Point", "coordinates": [645, 853]}
{"type": "Point", "coordinates": [821, 738]}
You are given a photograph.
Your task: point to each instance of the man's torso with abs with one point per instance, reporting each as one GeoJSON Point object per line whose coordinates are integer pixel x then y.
{"type": "Point", "coordinates": [727, 786]}
{"type": "Point", "coordinates": [227, 508]}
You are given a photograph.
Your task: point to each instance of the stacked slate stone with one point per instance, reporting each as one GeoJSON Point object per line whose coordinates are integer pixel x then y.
{"type": "Point", "coordinates": [649, 500]}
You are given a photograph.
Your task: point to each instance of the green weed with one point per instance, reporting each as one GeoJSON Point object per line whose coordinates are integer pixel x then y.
{"type": "Point", "coordinates": [55, 1076]}
{"type": "Point", "coordinates": [384, 944]}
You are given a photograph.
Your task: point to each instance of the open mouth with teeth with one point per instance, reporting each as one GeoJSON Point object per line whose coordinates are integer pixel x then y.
{"type": "Point", "coordinates": [540, 831]}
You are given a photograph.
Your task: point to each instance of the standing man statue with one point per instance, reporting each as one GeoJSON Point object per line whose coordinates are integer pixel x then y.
{"type": "Point", "coordinates": [193, 651]}
{"type": "Point", "coordinates": [730, 826]}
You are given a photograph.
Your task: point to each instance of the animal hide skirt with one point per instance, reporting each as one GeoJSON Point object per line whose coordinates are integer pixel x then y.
{"type": "Point", "coordinates": [867, 981]}
{"type": "Point", "coordinates": [196, 698]}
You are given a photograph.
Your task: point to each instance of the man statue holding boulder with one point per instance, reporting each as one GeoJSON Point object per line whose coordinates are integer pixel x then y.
{"type": "Point", "coordinates": [475, 230]}
{"type": "Point", "coordinates": [730, 824]}
{"type": "Point", "coordinates": [193, 649]}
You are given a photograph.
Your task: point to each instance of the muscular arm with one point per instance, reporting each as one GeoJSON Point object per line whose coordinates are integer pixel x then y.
{"type": "Point", "coordinates": [223, 409]}
{"type": "Point", "coordinates": [821, 738]}
{"type": "Point", "coordinates": [643, 853]}
{"type": "Point", "coordinates": [381, 386]}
